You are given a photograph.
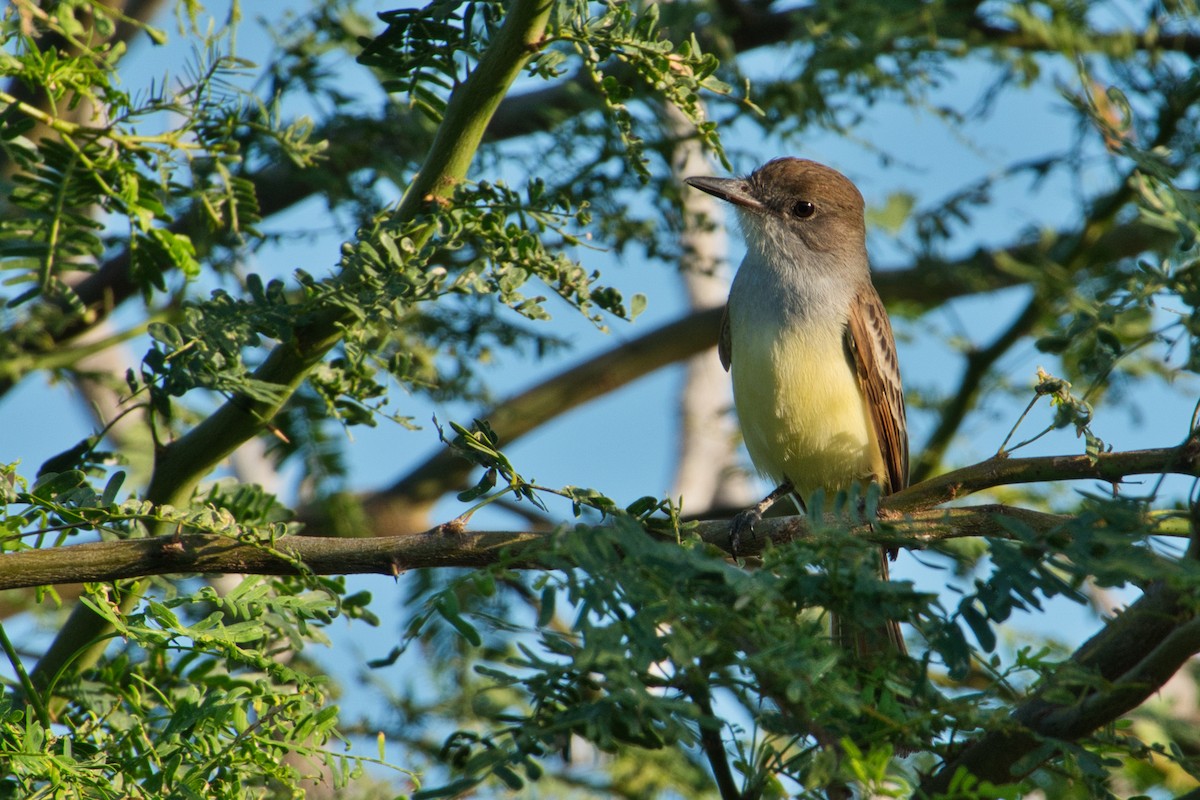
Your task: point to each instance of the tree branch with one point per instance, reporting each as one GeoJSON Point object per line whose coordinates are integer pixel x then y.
{"type": "Point", "coordinates": [402, 508]}
{"type": "Point", "coordinates": [710, 741]}
{"type": "Point", "coordinates": [1115, 671]}
{"type": "Point", "coordinates": [1001, 471]}
{"type": "Point", "coordinates": [1075, 253]}
{"type": "Point", "coordinates": [441, 546]}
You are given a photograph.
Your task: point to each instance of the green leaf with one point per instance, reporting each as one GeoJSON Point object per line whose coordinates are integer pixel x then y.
{"type": "Point", "coordinates": [109, 496]}
{"type": "Point", "coordinates": [894, 213]}
{"type": "Point", "coordinates": [546, 608]}
{"type": "Point", "coordinates": [979, 626]}
{"type": "Point", "coordinates": [464, 628]}
{"type": "Point", "coordinates": [637, 304]}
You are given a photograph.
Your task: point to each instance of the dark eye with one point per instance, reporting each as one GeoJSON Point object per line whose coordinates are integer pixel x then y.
{"type": "Point", "coordinates": [803, 209]}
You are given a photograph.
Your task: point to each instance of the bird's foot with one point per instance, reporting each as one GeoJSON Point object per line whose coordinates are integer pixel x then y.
{"type": "Point", "coordinates": [870, 521]}
{"type": "Point", "coordinates": [742, 526]}
{"type": "Point", "coordinates": [741, 529]}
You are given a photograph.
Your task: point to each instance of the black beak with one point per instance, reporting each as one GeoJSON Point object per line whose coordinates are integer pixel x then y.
{"type": "Point", "coordinates": [733, 190]}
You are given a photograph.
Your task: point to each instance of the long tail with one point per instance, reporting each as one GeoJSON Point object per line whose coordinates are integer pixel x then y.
{"type": "Point", "coordinates": [865, 641]}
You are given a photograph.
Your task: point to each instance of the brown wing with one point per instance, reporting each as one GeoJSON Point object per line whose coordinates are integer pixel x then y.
{"type": "Point", "coordinates": [725, 341]}
{"type": "Point", "coordinates": [873, 348]}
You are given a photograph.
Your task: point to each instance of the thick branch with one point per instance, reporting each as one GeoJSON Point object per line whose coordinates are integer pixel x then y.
{"type": "Point", "coordinates": [443, 546]}
{"type": "Point", "coordinates": [1111, 674]}
{"type": "Point", "coordinates": [1114, 672]}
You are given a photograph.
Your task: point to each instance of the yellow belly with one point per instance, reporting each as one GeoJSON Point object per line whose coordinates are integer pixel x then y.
{"type": "Point", "coordinates": [802, 414]}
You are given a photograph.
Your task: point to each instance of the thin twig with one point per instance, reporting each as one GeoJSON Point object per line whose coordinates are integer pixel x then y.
{"type": "Point", "coordinates": [979, 363]}
{"type": "Point", "coordinates": [710, 741]}
{"type": "Point", "coordinates": [31, 694]}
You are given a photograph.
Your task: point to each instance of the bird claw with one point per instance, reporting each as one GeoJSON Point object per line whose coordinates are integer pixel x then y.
{"type": "Point", "coordinates": [742, 527]}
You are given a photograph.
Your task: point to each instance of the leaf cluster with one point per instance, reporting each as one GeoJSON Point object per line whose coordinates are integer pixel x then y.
{"type": "Point", "coordinates": [202, 704]}
{"type": "Point", "coordinates": [655, 630]}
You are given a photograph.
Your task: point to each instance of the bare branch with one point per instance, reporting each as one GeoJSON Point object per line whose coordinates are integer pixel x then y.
{"type": "Point", "coordinates": [1117, 669]}
{"type": "Point", "coordinates": [1000, 471]}
{"type": "Point", "coordinates": [442, 546]}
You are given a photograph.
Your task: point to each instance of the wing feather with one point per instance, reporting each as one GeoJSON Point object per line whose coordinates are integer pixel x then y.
{"type": "Point", "coordinates": [873, 347]}
{"type": "Point", "coordinates": [725, 341]}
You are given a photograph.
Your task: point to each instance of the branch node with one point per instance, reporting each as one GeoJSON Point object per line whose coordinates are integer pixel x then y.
{"type": "Point", "coordinates": [454, 527]}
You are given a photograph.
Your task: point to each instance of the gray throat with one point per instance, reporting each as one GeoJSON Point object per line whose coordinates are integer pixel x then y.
{"type": "Point", "coordinates": [783, 282]}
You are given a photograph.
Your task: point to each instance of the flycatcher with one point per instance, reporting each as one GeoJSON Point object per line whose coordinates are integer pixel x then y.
{"type": "Point", "coordinates": [809, 346]}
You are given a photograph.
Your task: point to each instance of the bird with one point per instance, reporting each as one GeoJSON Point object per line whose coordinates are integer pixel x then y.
{"type": "Point", "coordinates": [810, 349]}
